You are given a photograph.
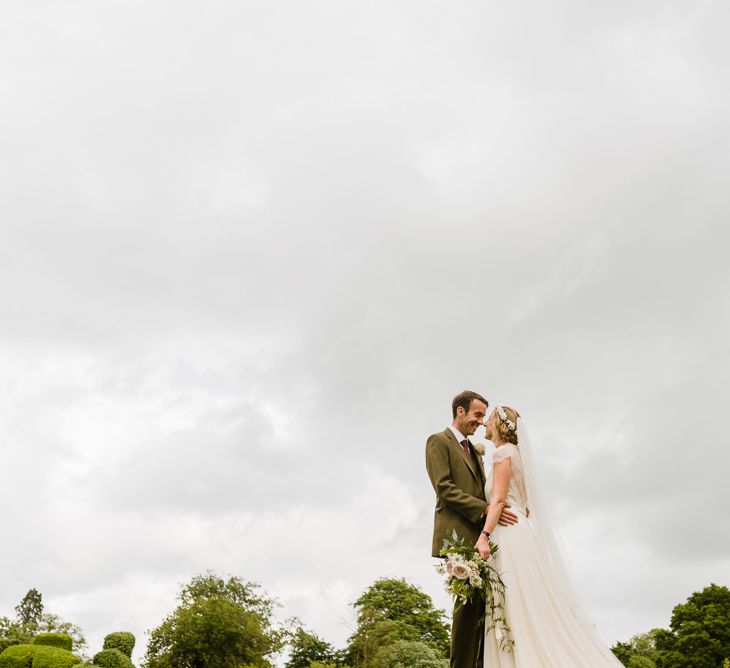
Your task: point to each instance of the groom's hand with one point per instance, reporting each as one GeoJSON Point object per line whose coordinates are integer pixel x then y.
{"type": "Point", "coordinates": [507, 517]}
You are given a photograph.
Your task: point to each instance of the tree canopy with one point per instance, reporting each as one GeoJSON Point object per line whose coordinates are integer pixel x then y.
{"type": "Point", "coordinates": [698, 635]}
{"type": "Point", "coordinates": [218, 624]}
{"type": "Point", "coordinates": [394, 611]}
{"type": "Point", "coordinates": [306, 648]}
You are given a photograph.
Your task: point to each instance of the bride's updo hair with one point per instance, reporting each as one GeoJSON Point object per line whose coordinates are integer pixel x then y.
{"type": "Point", "coordinates": [505, 422]}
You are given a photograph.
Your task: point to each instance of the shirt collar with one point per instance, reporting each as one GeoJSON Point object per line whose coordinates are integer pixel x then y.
{"type": "Point", "coordinates": [459, 436]}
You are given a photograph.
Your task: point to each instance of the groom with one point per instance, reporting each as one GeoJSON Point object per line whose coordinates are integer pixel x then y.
{"type": "Point", "coordinates": [457, 475]}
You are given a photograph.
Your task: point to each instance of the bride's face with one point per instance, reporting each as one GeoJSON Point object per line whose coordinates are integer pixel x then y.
{"type": "Point", "coordinates": [489, 427]}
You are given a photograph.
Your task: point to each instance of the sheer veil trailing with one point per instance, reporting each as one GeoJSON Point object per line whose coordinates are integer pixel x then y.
{"type": "Point", "coordinates": [543, 528]}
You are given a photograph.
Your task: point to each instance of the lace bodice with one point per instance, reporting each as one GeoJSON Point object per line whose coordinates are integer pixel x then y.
{"type": "Point", "coordinates": [516, 492]}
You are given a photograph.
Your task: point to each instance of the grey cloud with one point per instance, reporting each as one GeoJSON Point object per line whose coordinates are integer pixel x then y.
{"type": "Point", "coordinates": [249, 254]}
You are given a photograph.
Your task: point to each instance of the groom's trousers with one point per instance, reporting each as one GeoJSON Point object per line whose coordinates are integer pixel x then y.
{"type": "Point", "coordinates": [467, 635]}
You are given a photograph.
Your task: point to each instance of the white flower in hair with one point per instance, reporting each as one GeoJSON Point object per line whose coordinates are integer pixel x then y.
{"type": "Point", "coordinates": [505, 418]}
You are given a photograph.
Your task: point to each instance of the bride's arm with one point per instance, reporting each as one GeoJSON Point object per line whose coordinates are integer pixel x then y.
{"type": "Point", "coordinates": [501, 475]}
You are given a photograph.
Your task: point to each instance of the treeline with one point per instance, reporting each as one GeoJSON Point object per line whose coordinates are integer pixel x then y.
{"type": "Point", "coordinates": [698, 636]}
{"type": "Point", "coordinates": [230, 623]}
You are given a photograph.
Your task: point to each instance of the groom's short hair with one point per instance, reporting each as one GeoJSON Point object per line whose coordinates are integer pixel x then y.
{"type": "Point", "coordinates": [464, 400]}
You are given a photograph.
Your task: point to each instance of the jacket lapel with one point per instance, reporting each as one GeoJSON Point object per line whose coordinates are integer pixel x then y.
{"type": "Point", "coordinates": [469, 461]}
{"type": "Point", "coordinates": [480, 459]}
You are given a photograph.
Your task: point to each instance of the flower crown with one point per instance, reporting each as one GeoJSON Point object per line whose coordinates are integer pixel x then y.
{"type": "Point", "coordinates": [503, 416]}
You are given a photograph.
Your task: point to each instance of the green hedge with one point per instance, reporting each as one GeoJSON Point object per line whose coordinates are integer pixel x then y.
{"type": "Point", "coordinates": [111, 658]}
{"type": "Point", "coordinates": [39, 656]}
{"type": "Point", "coordinates": [121, 640]}
{"type": "Point", "coordinates": [8, 642]}
{"type": "Point", "coordinates": [60, 640]}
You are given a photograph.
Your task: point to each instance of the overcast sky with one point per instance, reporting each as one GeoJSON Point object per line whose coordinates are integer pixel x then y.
{"type": "Point", "coordinates": [250, 251]}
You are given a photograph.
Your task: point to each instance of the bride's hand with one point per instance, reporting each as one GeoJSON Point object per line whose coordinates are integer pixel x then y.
{"type": "Point", "coordinates": [482, 547]}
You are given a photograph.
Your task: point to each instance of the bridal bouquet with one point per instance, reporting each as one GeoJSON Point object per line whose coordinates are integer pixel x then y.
{"type": "Point", "coordinates": [468, 575]}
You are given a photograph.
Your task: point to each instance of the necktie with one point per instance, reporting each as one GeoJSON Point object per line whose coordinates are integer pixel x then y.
{"type": "Point", "coordinates": [465, 445]}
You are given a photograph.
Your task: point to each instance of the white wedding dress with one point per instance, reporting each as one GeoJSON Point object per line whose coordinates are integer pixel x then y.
{"type": "Point", "coordinates": [547, 626]}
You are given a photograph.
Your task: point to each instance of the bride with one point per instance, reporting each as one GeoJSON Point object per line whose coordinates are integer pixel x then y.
{"type": "Point", "coordinates": [548, 628]}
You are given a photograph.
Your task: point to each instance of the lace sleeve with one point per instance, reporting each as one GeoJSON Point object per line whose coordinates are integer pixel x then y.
{"type": "Point", "coordinates": [501, 453]}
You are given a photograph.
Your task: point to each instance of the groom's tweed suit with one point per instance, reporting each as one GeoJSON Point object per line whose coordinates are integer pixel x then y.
{"type": "Point", "coordinates": [458, 480]}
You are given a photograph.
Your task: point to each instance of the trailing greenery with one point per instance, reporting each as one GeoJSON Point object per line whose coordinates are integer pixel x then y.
{"type": "Point", "coordinates": [62, 640]}
{"type": "Point", "coordinates": [121, 640]}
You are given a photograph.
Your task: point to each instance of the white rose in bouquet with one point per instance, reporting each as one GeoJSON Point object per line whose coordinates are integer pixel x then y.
{"type": "Point", "coordinates": [461, 571]}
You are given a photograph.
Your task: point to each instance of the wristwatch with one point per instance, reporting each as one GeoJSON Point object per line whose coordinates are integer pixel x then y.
{"type": "Point", "coordinates": [487, 534]}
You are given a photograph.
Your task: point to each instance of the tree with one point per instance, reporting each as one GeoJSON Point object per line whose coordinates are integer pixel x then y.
{"type": "Point", "coordinates": [218, 624]}
{"type": "Point", "coordinates": [637, 661]}
{"type": "Point", "coordinates": [699, 634]}
{"type": "Point", "coordinates": [640, 651]}
{"type": "Point", "coordinates": [30, 609]}
{"type": "Point", "coordinates": [50, 623]}
{"type": "Point", "coordinates": [392, 610]}
{"type": "Point", "coordinates": [306, 648]}
{"type": "Point", "coordinates": [409, 654]}
{"type": "Point", "coordinates": [31, 620]}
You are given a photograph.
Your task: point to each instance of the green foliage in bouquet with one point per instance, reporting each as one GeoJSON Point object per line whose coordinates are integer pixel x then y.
{"type": "Point", "coordinates": [121, 640]}
{"type": "Point", "coordinates": [468, 575]}
{"type": "Point", "coordinates": [61, 640]}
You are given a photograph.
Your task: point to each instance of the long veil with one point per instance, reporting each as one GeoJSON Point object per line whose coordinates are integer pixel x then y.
{"type": "Point", "coordinates": [540, 518]}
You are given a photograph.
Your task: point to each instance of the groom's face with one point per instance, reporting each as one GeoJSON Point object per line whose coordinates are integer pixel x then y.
{"type": "Point", "coordinates": [469, 421]}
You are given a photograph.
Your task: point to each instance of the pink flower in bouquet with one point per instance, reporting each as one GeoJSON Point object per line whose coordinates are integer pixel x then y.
{"type": "Point", "coordinates": [461, 571]}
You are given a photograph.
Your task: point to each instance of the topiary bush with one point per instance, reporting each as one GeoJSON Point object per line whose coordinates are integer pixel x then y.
{"type": "Point", "coordinates": [121, 640]}
{"type": "Point", "coordinates": [53, 657]}
{"type": "Point", "coordinates": [60, 640]}
{"type": "Point", "coordinates": [17, 656]}
{"type": "Point", "coordinates": [7, 642]}
{"type": "Point", "coordinates": [112, 658]}
{"type": "Point", "coordinates": [38, 656]}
